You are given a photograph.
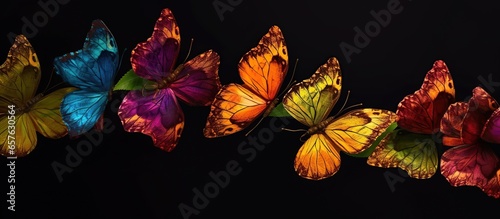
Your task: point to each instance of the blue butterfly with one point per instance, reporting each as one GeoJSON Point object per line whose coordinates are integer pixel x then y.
{"type": "Point", "coordinates": [92, 70]}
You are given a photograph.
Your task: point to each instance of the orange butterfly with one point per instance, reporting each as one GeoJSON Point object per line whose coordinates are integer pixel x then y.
{"type": "Point", "coordinates": [262, 70]}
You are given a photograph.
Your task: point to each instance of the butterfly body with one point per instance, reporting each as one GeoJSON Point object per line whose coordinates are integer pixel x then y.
{"type": "Point", "coordinates": [319, 128]}
{"type": "Point", "coordinates": [27, 106]}
{"type": "Point", "coordinates": [92, 70]}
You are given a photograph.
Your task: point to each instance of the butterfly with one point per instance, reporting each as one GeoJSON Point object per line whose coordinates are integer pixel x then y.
{"type": "Point", "coordinates": [262, 70]}
{"type": "Point", "coordinates": [92, 70]}
{"type": "Point", "coordinates": [472, 129]}
{"type": "Point", "coordinates": [23, 113]}
{"type": "Point", "coordinates": [155, 110]}
{"type": "Point", "coordinates": [310, 102]}
{"type": "Point", "coordinates": [412, 147]}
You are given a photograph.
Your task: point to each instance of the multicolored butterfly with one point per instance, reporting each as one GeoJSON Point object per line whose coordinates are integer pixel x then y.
{"type": "Point", "coordinates": [412, 147]}
{"type": "Point", "coordinates": [310, 103]}
{"type": "Point", "coordinates": [155, 111]}
{"type": "Point", "coordinates": [472, 128]}
{"type": "Point", "coordinates": [92, 70]}
{"type": "Point", "coordinates": [262, 70]}
{"type": "Point", "coordinates": [22, 113]}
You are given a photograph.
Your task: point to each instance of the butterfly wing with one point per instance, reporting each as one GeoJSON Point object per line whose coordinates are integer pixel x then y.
{"type": "Point", "coordinates": [451, 124]}
{"type": "Point", "coordinates": [472, 165]}
{"type": "Point", "coordinates": [356, 130]}
{"type": "Point", "coordinates": [46, 116]}
{"type": "Point", "coordinates": [351, 133]}
{"type": "Point", "coordinates": [311, 100]}
{"type": "Point", "coordinates": [264, 67]}
{"type": "Point", "coordinates": [82, 109]}
{"type": "Point", "coordinates": [92, 70]}
{"type": "Point", "coordinates": [492, 188]}
{"type": "Point", "coordinates": [414, 153]}
{"type": "Point", "coordinates": [262, 70]}
{"type": "Point", "coordinates": [480, 108]}
{"type": "Point", "coordinates": [491, 130]}
{"type": "Point", "coordinates": [198, 81]}
{"type": "Point", "coordinates": [20, 74]}
{"type": "Point", "coordinates": [317, 159]}
{"type": "Point", "coordinates": [421, 112]}
{"type": "Point", "coordinates": [157, 115]}
{"type": "Point", "coordinates": [154, 59]}
{"type": "Point", "coordinates": [233, 109]}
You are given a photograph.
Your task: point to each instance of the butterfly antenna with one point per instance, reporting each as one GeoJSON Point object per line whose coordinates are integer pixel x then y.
{"type": "Point", "coordinates": [50, 79]}
{"type": "Point", "coordinates": [345, 103]}
{"type": "Point", "coordinates": [294, 130]}
{"type": "Point", "coordinates": [302, 137]}
{"type": "Point", "coordinates": [291, 82]}
{"type": "Point", "coordinates": [255, 126]}
{"type": "Point", "coordinates": [189, 51]}
{"type": "Point", "coordinates": [47, 88]}
{"type": "Point", "coordinates": [121, 59]}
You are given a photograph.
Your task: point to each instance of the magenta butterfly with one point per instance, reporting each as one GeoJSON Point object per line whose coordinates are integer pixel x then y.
{"type": "Point", "coordinates": [155, 110]}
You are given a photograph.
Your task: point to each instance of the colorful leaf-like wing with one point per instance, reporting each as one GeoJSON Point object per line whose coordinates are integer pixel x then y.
{"type": "Point", "coordinates": [20, 75]}
{"type": "Point", "coordinates": [264, 67]}
{"type": "Point", "coordinates": [491, 130]}
{"type": "Point", "coordinates": [481, 107]}
{"type": "Point", "coordinates": [311, 100]}
{"type": "Point", "coordinates": [317, 158]}
{"type": "Point", "coordinates": [46, 116]}
{"type": "Point", "coordinates": [234, 108]}
{"type": "Point", "coordinates": [470, 165]}
{"type": "Point", "coordinates": [155, 59]}
{"type": "Point", "coordinates": [421, 112]}
{"type": "Point", "coordinates": [451, 124]}
{"type": "Point", "coordinates": [492, 187]}
{"type": "Point", "coordinates": [82, 109]}
{"type": "Point", "coordinates": [414, 153]}
{"type": "Point", "coordinates": [156, 114]}
{"type": "Point", "coordinates": [198, 81]}
{"type": "Point", "coordinates": [356, 130]}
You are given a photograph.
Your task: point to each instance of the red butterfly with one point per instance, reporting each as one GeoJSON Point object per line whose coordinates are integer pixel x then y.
{"type": "Point", "coordinates": [472, 128]}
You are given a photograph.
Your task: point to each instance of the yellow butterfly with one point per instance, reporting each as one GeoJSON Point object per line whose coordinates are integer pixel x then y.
{"type": "Point", "coordinates": [22, 113]}
{"type": "Point", "coordinates": [310, 103]}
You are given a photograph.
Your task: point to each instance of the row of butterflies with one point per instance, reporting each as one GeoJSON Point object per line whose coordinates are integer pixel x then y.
{"type": "Point", "coordinates": [403, 139]}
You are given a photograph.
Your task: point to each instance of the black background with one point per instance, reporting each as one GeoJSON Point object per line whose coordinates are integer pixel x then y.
{"type": "Point", "coordinates": [125, 176]}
